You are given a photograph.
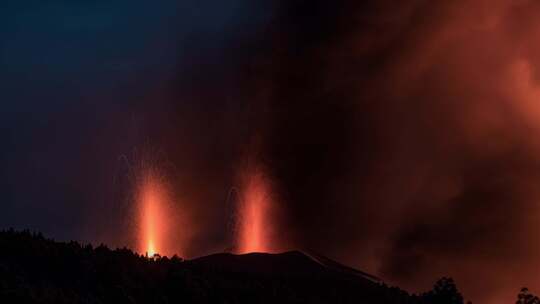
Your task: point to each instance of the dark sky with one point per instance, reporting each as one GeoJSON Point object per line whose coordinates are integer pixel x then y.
{"type": "Point", "coordinates": [400, 138]}
{"type": "Point", "coordinates": [86, 83]}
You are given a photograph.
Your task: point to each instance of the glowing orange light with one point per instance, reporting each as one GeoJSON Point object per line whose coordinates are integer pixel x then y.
{"type": "Point", "coordinates": [153, 218]}
{"type": "Point", "coordinates": [253, 232]}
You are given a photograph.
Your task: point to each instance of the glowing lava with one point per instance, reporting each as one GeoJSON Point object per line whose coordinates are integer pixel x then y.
{"type": "Point", "coordinates": [254, 212]}
{"type": "Point", "coordinates": [153, 224]}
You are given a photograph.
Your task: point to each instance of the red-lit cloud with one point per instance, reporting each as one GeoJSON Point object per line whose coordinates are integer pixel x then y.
{"type": "Point", "coordinates": [411, 131]}
{"type": "Point", "coordinates": [400, 137]}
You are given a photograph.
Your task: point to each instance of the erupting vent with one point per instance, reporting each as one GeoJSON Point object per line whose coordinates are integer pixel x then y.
{"type": "Point", "coordinates": [153, 223]}
{"type": "Point", "coordinates": [254, 211]}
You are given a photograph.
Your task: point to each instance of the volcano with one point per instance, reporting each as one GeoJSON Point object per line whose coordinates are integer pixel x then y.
{"type": "Point", "coordinates": [39, 270]}
{"type": "Point", "coordinates": [290, 264]}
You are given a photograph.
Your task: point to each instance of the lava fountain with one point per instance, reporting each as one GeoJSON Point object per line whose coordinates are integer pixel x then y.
{"type": "Point", "coordinates": [153, 220]}
{"type": "Point", "coordinates": [253, 231]}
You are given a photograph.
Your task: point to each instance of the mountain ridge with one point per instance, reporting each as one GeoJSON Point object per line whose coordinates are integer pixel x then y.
{"type": "Point", "coordinates": [34, 269]}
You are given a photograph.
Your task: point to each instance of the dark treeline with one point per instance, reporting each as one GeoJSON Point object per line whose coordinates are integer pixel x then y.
{"type": "Point", "coordinates": [34, 269]}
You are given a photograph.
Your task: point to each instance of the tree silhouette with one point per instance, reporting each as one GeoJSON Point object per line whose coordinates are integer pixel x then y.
{"type": "Point", "coordinates": [525, 297]}
{"type": "Point", "coordinates": [39, 270]}
{"type": "Point", "coordinates": [444, 292]}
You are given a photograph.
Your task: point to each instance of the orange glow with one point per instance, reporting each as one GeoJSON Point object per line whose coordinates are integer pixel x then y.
{"type": "Point", "coordinates": [254, 224]}
{"type": "Point", "coordinates": [153, 217]}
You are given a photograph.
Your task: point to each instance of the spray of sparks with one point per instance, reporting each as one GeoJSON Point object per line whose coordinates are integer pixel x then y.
{"type": "Point", "coordinates": [254, 212]}
{"type": "Point", "coordinates": [153, 215]}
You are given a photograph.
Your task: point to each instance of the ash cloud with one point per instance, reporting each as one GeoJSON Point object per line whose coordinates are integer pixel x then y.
{"type": "Point", "coordinates": [402, 137]}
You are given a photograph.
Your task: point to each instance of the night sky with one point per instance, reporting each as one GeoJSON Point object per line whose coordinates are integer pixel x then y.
{"type": "Point", "coordinates": [399, 137]}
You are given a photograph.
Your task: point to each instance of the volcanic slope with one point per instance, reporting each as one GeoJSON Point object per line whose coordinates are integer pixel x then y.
{"type": "Point", "coordinates": [34, 269]}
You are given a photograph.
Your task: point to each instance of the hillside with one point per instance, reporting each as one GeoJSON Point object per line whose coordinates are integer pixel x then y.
{"type": "Point", "coordinates": [34, 269]}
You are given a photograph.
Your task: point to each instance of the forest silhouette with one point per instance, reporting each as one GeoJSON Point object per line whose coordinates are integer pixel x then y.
{"type": "Point", "coordinates": [34, 269]}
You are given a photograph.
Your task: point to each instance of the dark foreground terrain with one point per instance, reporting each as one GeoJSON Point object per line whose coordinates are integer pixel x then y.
{"type": "Point", "coordinates": [37, 270]}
